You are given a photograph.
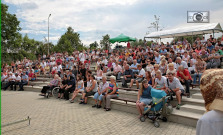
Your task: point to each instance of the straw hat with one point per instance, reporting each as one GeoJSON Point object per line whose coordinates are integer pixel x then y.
{"type": "Point", "coordinates": [212, 89]}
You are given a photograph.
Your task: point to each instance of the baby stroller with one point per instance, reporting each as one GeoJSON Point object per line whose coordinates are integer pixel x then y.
{"type": "Point", "coordinates": [159, 107]}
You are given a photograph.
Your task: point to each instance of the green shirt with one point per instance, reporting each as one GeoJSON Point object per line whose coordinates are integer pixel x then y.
{"type": "Point", "coordinates": [220, 52]}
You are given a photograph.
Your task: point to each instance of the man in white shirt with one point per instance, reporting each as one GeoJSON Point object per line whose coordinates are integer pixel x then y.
{"type": "Point", "coordinates": [180, 62]}
{"type": "Point", "coordinates": [181, 50]}
{"type": "Point", "coordinates": [17, 81]}
{"type": "Point", "coordinates": [157, 58]}
{"type": "Point", "coordinates": [139, 78]}
{"type": "Point", "coordinates": [11, 80]}
{"type": "Point", "coordinates": [105, 61]}
{"type": "Point", "coordinates": [173, 83]}
{"type": "Point", "coordinates": [82, 57]}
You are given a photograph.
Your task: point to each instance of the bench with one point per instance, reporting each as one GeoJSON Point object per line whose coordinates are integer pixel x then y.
{"type": "Point", "coordinates": [128, 89]}
{"type": "Point", "coordinates": [126, 100]}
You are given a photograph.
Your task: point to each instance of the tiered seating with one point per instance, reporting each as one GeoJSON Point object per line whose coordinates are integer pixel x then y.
{"type": "Point", "coordinates": [191, 110]}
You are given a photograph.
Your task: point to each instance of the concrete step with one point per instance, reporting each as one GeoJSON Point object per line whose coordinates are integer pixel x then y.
{"type": "Point", "coordinates": [197, 96]}
{"type": "Point", "coordinates": [193, 108]}
{"type": "Point", "coordinates": [184, 117]}
{"type": "Point", "coordinates": [192, 101]}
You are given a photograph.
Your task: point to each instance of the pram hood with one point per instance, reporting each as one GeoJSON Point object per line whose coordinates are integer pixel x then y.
{"type": "Point", "coordinates": [157, 95]}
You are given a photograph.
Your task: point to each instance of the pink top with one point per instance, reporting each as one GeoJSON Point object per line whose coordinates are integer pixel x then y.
{"type": "Point", "coordinates": [117, 68]}
{"type": "Point", "coordinates": [99, 72]}
{"type": "Point", "coordinates": [109, 64]}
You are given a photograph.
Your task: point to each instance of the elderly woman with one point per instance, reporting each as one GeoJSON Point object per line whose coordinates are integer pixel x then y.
{"type": "Point", "coordinates": [144, 97]}
{"type": "Point", "coordinates": [211, 84]}
{"type": "Point", "coordinates": [171, 69]}
{"type": "Point", "coordinates": [110, 92]}
{"type": "Point", "coordinates": [101, 90]}
{"type": "Point", "coordinates": [163, 66]}
{"type": "Point", "coordinates": [52, 84]}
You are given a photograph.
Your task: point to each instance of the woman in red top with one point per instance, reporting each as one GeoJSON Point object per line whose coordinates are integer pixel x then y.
{"type": "Point", "coordinates": [32, 76]}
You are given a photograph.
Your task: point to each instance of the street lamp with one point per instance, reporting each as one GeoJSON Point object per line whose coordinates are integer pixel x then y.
{"type": "Point", "coordinates": [48, 34]}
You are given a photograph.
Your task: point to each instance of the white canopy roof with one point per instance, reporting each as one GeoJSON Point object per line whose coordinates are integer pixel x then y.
{"type": "Point", "coordinates": [187, 31]}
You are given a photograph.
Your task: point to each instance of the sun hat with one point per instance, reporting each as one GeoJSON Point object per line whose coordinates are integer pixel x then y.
{"type": "Point", "coordinates": [212, 89]}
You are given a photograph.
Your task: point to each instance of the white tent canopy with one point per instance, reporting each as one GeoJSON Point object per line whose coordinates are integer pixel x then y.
{"type": "Point", "coordinates": [187, 31]}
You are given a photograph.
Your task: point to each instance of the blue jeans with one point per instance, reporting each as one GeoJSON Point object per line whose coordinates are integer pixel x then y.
{"type": "Point", "coordinates": [195, 77]}
{"type": "Point", "coordinates": [119, 76]}
{"type": "Point", "coordinates": [97, 96]}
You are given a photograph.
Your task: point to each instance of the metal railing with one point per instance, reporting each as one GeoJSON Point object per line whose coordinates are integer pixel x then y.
{"type": "Point", "coordinates": [19, 121]}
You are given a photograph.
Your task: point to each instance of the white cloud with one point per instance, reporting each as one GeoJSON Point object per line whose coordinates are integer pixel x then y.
{"type": "Point", "coordinates": [95, 18]}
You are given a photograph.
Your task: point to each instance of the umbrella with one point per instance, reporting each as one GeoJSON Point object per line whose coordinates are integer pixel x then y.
{"type": "Point", "coordinates": [121, 38]}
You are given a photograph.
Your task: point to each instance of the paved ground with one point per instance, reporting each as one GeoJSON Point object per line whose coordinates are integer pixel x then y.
{"type": "Point", "coordinates": [55, 117]}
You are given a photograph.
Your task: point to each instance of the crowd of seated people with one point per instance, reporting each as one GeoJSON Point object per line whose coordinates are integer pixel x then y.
{"type": "Point", "coordinates": [163, 66]}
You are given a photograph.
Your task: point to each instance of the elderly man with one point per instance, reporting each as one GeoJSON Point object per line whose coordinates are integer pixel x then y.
{"type": "Point", "coordinates": [17, 81]}
{"type": "Point", "coordinates": [24, 81]}
{"type": "Point", "coordinates": [127, 76]}
{"type": "Point", "coordinates": [11, 81]}
{"type": "Point", "coordinates": [117, 70]}
{"type": "Point", "coordinates": [180, 62]}
{"type": "Point", "coordinates": [185, 78]}
{"type": "Point", "coordinates": [134, 67]}
{"type": "Point", "coordinates": [99, 94]}
{"type": "Point", "coordinates": [139, 78]}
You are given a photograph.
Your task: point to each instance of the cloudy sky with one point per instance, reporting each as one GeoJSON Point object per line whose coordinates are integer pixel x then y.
{"type": "Point", "coordinates": [94, 18]}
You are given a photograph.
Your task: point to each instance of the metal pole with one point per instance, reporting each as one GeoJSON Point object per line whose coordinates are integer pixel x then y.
{"type": "Point", "coordinates": [48, 34]}
{"type": "Point", "coordinates": [19, 121]}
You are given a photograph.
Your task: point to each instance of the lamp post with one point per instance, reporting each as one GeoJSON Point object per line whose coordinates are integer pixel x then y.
{"type": "Point", "coordinates": [48, 34]}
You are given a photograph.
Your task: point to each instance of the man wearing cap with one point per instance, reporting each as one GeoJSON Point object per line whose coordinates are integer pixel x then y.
{"type": "Point", "coordinates": [211, 123]}
{"type": "Point", "coordinates": [17, 81]}
{"type": "Point", "coordinates": [24, 81]}
{"type": "Point", "coordinates": [11, 80]}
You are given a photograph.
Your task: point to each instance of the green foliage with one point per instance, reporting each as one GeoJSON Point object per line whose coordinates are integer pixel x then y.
{"type": "Point", "coordinates": [139, 42]}
{"type": "Point", "coordinates": [69, 42]}
{"type": "Point", "coordinates": [11, 38]}
{"type": "Point", "coordinates": [190, 39]}
{"type": "Point", "coordinates": [104, 43]}
{"type": "Point", "coordinates": [94, 45]}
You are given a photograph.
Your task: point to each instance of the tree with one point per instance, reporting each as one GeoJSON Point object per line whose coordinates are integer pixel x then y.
{"type": "Point", "coordinates": [155, 25]}
{"type": "Point", "coordinates": [94, 45]}
{"type": "Point", "coordinates": [104, 43]}
{"type": "Point", "coordinates": [69, 42]}
{"type": "Point", "coordinates": [11, 38]}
